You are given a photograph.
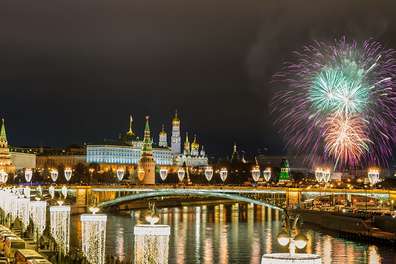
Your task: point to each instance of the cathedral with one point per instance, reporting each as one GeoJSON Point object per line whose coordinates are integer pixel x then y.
{"type": "Point", "coordinates": [5, 157]}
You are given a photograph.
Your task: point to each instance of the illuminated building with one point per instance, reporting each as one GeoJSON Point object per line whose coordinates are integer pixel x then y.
{"type": "Point", "coordinates": [127, 151]}
{"type": "Point", "coordinates": [176, 138]}
{"type": "Point", "coordinates": [23, 160]}
{"type": "Point", "coordinates": [163, 140]}
{"type": "Point", "coordinates": [57, 159]}
{"type": "Point", "coordinates": [192, 156]}
{"type": "Point", "coordinates": [6, 164]}
{"type": "Point", "coordinates": [146, 162]}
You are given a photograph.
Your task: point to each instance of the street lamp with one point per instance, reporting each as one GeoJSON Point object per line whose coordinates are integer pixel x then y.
{"type": "Point", "coordinates": [267, 174]}
{"type": "Point", "coordinates": [3, 177]}
{"type": "Point", "coordinates": [223, 174]}
{"type": "Point", "coordinates": [28, 174]}
{"type": "Point", "coordinates": [91, 171]}
{"type": "Point", "coordinates": [319, 174]}
{"type": "Point", "coordinates": [68, 173]}
{"type": "Point", "coordinates": [54, 174]}
{"type": "Point", "coordinates": [290, 236]}
{"type": "Point", "coordinates": [373, 176]}
{"type": "Point", "coordinates": [326, 175]}
{"type": "Point", "coordinates": [180, 174]}
{"type": "Point", "coordinates": [208, 173]}
{"type": "Point", "coordinates": [256, 173]}
{"type": "Point", "coordinates": [163, 173]}
{"type": "Point", "coordinates": [120, 173]}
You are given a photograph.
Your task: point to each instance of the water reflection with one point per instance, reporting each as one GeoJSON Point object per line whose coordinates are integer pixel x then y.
{"type": "Point", "coordinates": [231, 233]}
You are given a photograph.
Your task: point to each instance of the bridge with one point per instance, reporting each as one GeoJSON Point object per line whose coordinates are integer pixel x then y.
{"type": "Point", "coordinates": [274, 196]}
{"type": "Point", "coordinates": [183, 192]}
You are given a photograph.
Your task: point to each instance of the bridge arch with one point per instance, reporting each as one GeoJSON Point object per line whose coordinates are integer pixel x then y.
{"type": "Point", "coordinates": [182, 192]}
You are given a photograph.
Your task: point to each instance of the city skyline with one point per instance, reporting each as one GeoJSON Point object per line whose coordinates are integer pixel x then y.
{"type": "Point", "coordinates": [79, 83]}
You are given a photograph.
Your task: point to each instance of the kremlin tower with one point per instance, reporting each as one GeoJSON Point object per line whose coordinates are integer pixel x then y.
{"type": "Point", "coordinates": [176, 139]}
{"type": "Point", "coordinates": [5, 157]}
{"type": "Point", "coordinates": [147, 163]}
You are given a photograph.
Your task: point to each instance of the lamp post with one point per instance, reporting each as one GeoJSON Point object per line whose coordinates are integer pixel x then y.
{"type": "Point", "coordinates": [208, 173]}
{"type": "Point", "coordinates": [94, 236]}
{"type": "Point", "coordinates": [163, 173]}
{"type": "Point", "coordinates": [290, 237]}
{"type": "Point", "coordinates": [256, 173]}
{"type": "Point", "coordinates": [91, 171]}
{"type": "Point", "coordinates": [151, 240]}
{"type": "Point", "coordinates": [223, 174]}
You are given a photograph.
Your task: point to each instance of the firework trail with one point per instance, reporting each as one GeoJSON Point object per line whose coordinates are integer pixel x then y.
{"type": "Point", "coordinates": [338, 102]}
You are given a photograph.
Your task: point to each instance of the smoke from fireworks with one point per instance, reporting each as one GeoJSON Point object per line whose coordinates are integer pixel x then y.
{"type": "Point", "coordinates": [338, 102]}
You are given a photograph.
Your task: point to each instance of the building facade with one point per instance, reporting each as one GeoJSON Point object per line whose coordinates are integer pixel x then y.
{"type": "Point", "coordinates": [128, 150]}
{"type": "Point", "coordinates": [56, 160]}
{"type": "Point", "coordinates": [23, 160]}
{"type": "Point", "coordinates": [192, 155]}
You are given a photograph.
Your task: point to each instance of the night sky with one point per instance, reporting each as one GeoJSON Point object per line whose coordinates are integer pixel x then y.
{"type": "Point", "coordinates": [72, 71]}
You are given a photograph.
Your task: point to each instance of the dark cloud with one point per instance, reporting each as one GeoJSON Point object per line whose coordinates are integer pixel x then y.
{"type": "Point", "coordinates": [72, 71]}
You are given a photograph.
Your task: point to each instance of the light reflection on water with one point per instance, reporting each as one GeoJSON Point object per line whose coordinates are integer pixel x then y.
{"type": "Point", "coordinates": [230, 234]}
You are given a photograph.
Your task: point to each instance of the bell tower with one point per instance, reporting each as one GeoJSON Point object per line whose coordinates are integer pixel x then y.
{"type": "Point", "coordinates": [176, 138]}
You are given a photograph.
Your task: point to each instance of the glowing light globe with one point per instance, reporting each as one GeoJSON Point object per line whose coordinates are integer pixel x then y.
{"type": "Point", "coordinates": [283, 239]}
{"type": "Point", "coordinates": [300, 241]}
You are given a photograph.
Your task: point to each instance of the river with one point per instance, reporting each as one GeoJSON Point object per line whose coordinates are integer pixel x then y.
{"type": "Point", "coordinates": [229, 234]}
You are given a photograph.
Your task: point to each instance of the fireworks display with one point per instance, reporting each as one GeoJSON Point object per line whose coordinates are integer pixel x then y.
{"type": "Point", "coordinates": [338, 102]}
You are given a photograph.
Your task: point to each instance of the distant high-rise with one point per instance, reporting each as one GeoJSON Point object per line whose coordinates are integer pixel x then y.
{"type": "Point", "coordinates": [163, 138]}
{"type": "Point", "coordinates": [176, 138]}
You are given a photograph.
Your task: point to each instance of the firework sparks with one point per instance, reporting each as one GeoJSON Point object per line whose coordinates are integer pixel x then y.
{"type": "Point", "coordinates": [339, 102]}
{"type": "Point", "coordinates": [345, 138]}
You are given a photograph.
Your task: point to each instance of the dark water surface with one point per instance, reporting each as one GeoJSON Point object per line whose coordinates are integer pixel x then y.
{"type": "Point", "coordinates": [228, 234]}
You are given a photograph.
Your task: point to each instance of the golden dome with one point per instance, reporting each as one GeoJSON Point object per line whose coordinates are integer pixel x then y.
{"type": "Point", "coordinates": [175, 118]}
{"type": "Point", "coordinates": [195, 144]}
{"type": "Point", "coordinates": [163, 133]}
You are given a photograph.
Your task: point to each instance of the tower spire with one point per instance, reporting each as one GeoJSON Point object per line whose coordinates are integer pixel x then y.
{"type": "Point", "coordinates": [147, 142]}
{"type": "Point", "coordinates": [130, 131]}
{"type": "Point", "coordinates": [3, 134]}
{"type": "Point", "coordinates": [235, 155]}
